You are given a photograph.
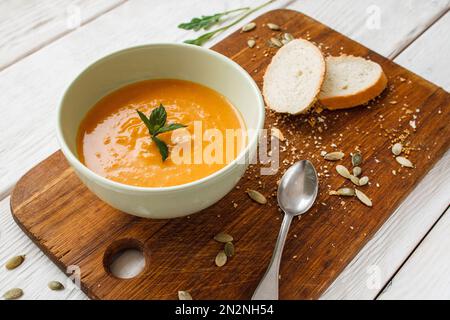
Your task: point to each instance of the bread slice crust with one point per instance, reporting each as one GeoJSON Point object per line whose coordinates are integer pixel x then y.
{"type": "Point", "coordinates": [356, 99]}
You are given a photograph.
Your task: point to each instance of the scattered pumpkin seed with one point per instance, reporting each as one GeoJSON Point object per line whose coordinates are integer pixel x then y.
{"type": "Point", "coordinates": [256, 196]}
{"type": "Point", "coordinates": [229, 249]}
{"type": "Point", "coordinates": [288, 37]}
{"type": "Point", "coordinates": [14, 262]}
{"type": "Point", "coordinates": [404, 162]}
{"type": "Point", "coordinates": [284, 41]}
{"type": "Point", "coordinates": [277, 133]}
{"type": "Point", "coordinates": [363, 181]}
{"type": "Point", "coordinates": [345, 192]}
{"type": "Point", "coordinates": [357, 171]}
{"type": "Point", "coordinates": [221, 259]}
{"type": "Point", "coordinates": [249, 26]}
{"type": "Point", "coordinates": [276, 43]}
{"type": "Point", "coordinates": [251, 43]}
{"type": "Point", "coordinates": [184, 295]}
{"type": "Point", "coordinates": [397, 148]}
{"type": "Point", "coordinates": [223, 237]}
{"type": "Point", "coordinates": [363, 198]}
{"type": "Point", "coordinates": [334, 156]}
{"type": "Point", "coordinates": [356, 159]}
{"type": "Point", "coordinates": [273, 26]}
{"type": "Point", "coordinates": [55, 285]}
{"type": "Point", "coordinates": [354, 179]}
{"type": "Point", "coordinates": [13, 294]}
{"type": "Point", "coordinates": [343, 171]}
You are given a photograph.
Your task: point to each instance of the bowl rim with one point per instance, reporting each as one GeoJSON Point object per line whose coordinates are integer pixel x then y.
{"type": "Point", "coordinates": [74, 161]}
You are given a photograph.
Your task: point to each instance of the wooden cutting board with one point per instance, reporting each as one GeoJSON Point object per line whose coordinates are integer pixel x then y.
{"type": "Point", "coordinates": [73, 227]}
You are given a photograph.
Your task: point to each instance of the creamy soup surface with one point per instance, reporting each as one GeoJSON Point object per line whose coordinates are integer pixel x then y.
{"type": "Point", "coordinates": [113, 141]}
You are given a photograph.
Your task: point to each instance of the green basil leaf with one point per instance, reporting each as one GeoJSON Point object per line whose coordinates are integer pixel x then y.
{"type": "Point", "coordinates": [158, 118]}
{"type": "Point", "coordinates": [171, 127]}
{"type": "Point", "coordinates": [162, 146]}
{"type": "Point", "coordinates": [146, 121]}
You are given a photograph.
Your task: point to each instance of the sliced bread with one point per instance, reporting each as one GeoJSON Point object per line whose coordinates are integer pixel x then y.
{"type": "Point", "coordinates": [293, 79]}
{"type": "Point", "coordinates": [351, 81]}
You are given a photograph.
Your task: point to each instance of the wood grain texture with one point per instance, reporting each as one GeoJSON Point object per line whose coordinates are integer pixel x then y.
{"type": "Point", "coordinates": [320, 244]}
{"type": "Point", "coordinates": [27, 26]}
{"type": "Point", "coordinates": [425, 274]}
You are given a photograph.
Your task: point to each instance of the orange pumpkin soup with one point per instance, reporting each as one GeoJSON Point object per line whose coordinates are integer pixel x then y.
{"type": "Point", "coordinates": [115, 143]}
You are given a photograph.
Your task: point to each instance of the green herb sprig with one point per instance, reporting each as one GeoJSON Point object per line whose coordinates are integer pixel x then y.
{"type": "Point", "coordinates": [156, 124]}
{"type": "Point", "coordinates": [197, 23]}
{"type": "Point", "coordinates": [206, 22]}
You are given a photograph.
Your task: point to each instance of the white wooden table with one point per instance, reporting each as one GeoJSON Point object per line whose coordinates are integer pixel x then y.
{"type": "Point", "coordinates": [44, 44]}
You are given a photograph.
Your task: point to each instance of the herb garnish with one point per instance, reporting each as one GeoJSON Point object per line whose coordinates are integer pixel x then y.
{"type": "Point", "coordinates": [207, 22]}
{"type": "Point", "coordinates": [156, 124]}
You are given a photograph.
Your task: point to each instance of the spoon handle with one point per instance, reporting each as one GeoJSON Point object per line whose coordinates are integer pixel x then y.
{"type": "Point", "coordinates": [268, 287]}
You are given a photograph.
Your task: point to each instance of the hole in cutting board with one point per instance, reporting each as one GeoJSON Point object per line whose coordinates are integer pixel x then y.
{"type": "Point", "coordinates": [124, 259]}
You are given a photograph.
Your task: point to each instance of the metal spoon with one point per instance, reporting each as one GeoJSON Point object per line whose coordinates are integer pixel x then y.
{"type": "Point", "coordinates": [296, 194]}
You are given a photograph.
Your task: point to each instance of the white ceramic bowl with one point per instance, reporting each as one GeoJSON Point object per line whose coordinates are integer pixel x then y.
{"type": "Point", "coordinates": [159, 61]}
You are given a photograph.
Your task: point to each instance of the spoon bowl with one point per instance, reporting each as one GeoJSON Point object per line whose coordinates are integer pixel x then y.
{"type": "Point", "coordinates": [298, 188]}
{"type": "Point", "coordinates": [296, 194]}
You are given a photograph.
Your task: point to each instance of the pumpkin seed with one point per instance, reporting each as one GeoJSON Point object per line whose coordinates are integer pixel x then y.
{"type": "Point", "coordinates": [273, 26]}
{"type": "Point", "coordinates": [288, 37]}
{"type": "Point", "coordinates": [277, 133]}
{"type": "Point", "coordinates": [345, 192]}
{"type": "Point", "coordinates": [357, 171]}
{"type": "Point", "coordinates": [14, 262]}
{"type": "Point", "coordinates": [55, 285]}
{"type": "Point", "coordinates": [363, 181]}
{"type": "Point", "coordinates": [334, 156]}
{"type": "Point", "coordinates": [223, 237]}
{"type": "Point", "coordinates": [13, 294]}
{"type": "Point", "coordinates": [249, 26]}
{"type": "Point", "coordinates": [229, 249]}
{"type": "Point", "coordinates": [251, 43]}
{"type": "Point", "coordinates": [363, 198]}
{"type": "Point", "coordinates": [284, 41]}
{"type": "Point", "coordinates": [356, 159]}
{"type": "Point", "coordinates": [343, 171]}
{"type": "Point", "coordinates": [397, 148]}
{"type": "Point", "coordinates": [184, 295]}
{"type": "Point", "coordinates": [221, 259]}
{"type": "Point", "coordinates": [256, 196]}
{"type": "Point", "coordinates": [404, 162]}
{"type": "Point", "coordinates": [276, 43]}
{"type": "Point", "coordinates": [354, 179]}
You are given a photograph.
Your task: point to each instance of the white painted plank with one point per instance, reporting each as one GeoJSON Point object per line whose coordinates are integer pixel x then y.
{"type": "Point", "coordinates": [31, 89]}
{"type": "Point", "coordinates": [26, 26]}
{"type": "Point", "coordinates": [375, 264]}
{"type": "Point", "coordinates": [30, 141]}
{"type": "Point", "coordinates": [36, 271]}
{"type": "Point", "coordinates": [425, 274]}
{"type": "Point", "coordinates": [385, 26]}
{"type": "Point", "coordinates": [429, 55]}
